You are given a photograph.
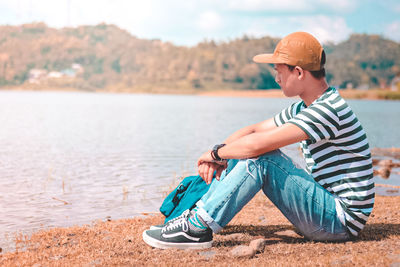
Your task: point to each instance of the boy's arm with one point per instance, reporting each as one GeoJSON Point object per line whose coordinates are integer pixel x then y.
{"type": "Point", "coordinates": [255, 128]}
{"type": "Point", "coordinates": [258, 143]}
{"type": "Point", "coordinates": [207, 169]}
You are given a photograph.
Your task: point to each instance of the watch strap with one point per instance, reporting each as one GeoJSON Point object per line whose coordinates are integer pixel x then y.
{"type": "Point", "coordinates": [214, 152]}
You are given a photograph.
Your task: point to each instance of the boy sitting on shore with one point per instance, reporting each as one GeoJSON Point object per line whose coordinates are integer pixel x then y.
{"type": "Point", "coordinates": [330, 200]}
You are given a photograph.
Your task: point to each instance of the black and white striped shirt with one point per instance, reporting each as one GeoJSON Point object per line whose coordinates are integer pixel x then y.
{"type": "Point", "coordinates": [337, 154]}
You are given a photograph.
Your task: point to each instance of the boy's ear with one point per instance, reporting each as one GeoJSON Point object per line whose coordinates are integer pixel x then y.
{"type": "Point", "coordinates": [300, 72]}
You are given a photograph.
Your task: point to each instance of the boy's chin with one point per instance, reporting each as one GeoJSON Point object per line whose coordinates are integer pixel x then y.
{"type": "Point", "coordinates": [289, 94]}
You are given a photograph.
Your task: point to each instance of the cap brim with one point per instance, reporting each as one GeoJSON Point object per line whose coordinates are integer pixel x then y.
{"type": "Point", "coordinates": [266, 58]}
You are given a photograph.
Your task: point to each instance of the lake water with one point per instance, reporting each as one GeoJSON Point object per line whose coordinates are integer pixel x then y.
{"type": "Point", "coordinates": [72, 158]}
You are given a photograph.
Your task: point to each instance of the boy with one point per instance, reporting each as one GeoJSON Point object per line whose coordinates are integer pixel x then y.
{"type": "Point", "coordinates": [329, 201]}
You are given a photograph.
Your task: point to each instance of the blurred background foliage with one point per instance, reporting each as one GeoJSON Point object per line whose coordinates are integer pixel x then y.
{"type": "Point", "coordinates": [111, 59]}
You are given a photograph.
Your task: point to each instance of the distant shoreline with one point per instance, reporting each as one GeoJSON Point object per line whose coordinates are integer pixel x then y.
{"type": "Point", "coordinates": [273, 93]}
{"type": "Point", "coordinates": [372, 94]}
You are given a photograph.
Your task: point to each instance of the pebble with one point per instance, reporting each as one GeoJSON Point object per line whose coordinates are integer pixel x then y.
{"type": "Point", "coordinates": [385, 163]}
{"type": "Point", "coordinates": [384, 172]}
{"type": "Point", "coordinates": [208, 254]}
{"type": "Point", "coordinates": [243, 252]}
{"type": "Point", "coordinates": [395, 258]}
{"type": "Point", "coordinates": [344, 260]}
{"type": "Point", "coordinates": [262, 219]}
{"type": "Point", "coordinates": [288, 233]}
{"type": "Point", "coordinates": [56, 258]}
{"type": "Point", "coordinates": [236, 237]}
{"type": "Point", "coordinates": [129, 239]}
{"type": "Point", "coordinates": [258, 244]}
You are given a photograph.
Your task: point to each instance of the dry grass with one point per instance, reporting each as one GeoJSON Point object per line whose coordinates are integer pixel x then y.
{"type": "Point", "coordinates": [119, 243]}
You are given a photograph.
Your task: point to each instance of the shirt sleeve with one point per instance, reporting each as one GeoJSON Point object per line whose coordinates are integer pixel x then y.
{"type": "Point", "coordinates": [319, 121]}
{"type": "Point", "coordinates": [286, 114]}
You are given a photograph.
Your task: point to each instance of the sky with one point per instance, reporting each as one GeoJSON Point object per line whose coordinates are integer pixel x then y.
{"type": "Point", "coordinates": [188, 22]}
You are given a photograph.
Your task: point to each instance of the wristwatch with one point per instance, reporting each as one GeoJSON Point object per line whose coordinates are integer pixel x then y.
{"type": "Point", "coordinates": [214, 152]}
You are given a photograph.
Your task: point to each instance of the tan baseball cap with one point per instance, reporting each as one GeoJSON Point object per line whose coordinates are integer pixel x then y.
{"type": "Point", "coordinates": [297, 49]}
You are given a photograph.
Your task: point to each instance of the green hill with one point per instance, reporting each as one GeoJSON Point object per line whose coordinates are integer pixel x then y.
{"type": "Point", "coordinates": [105, 57]}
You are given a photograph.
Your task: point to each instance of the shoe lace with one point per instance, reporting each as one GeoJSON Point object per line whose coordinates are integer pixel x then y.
{"type": "Point", "coordinates": [177, 222]}
{"type": "Point", "coordinates": [183, 215]}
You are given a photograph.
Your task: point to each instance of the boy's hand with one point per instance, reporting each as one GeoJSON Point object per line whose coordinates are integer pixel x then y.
{"type": "Point", "coordinates": [207, 169]}
{"type": "Point", "coordinates": [206, 157]}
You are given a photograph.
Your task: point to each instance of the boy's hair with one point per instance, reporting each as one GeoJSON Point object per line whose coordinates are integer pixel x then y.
{"type": "Point", "coordinates": [318, 74]}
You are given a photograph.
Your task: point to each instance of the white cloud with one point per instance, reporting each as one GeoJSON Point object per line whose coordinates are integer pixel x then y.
{"type": "Point", "coordinates": [272, 26]}
{"type": "Point", "coordinates": [187, 22]}
{"type": "Point", "coordinates": [305, 6]}
{"type": "Point", "coordinates": [338, 5]}
{"type": "Point", "coordinates": [209, 21]}
{"type": "Point", "coordinates": [324, 28]}
{"type": "Point", "coordinates": [145, 19]}
{"type": "Point", "coordinates": [397, 8]}
{"type": "Point", "coordinates": [63, 12]}
{"type": "Point", "coordinates": [392, 31]}
{"type": "Point", "coordinates": [327, 28]}
{"type": "Point", "coordinates": [268, 5]}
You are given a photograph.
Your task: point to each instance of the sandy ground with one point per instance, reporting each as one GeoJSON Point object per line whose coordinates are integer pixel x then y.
{"type": "Point", "coordinates": [119, 242]}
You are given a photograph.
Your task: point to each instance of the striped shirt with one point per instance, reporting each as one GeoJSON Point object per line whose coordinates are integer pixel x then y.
{"type": "Point", "coordinates": [337, 154]}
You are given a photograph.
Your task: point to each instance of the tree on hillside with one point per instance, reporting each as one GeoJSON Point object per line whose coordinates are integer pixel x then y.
{"type": "Point", "coordinates": [112, 58]}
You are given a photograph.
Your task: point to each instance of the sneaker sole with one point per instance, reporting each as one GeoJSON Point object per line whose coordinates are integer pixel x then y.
{"type": "Point", "coordinates": [166, 245]}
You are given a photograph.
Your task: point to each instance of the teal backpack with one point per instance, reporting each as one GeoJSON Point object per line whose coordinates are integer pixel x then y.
{"type": "Point", "coordinates": [183, 197]}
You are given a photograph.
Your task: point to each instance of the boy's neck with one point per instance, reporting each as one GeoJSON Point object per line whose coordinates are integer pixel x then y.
{"type": "Point", "coordinates": [313, 91]}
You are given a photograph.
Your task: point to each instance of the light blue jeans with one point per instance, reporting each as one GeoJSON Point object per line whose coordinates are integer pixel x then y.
{"type": "Point", "coordinates": [305, 203]}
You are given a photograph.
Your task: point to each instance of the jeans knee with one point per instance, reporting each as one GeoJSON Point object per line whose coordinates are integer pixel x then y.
{"type": "Point", "coordinates": [272, 154]}
{"type": "Point", "coordinates": [231, 164]}
{"type": "Point", "coordinates": [253, 169]}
